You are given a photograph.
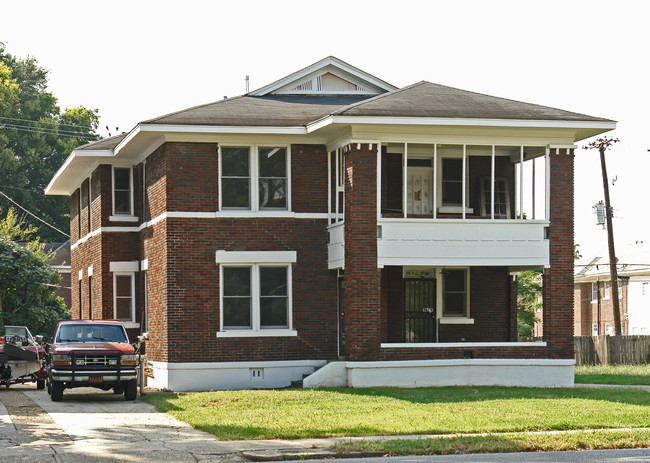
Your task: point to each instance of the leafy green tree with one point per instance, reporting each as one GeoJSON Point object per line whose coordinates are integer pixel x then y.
{"type": "Point", "coordinates": [27, 282]}
{"type": "Point", "coordinates": [529, 299]}
{"type": "Point", "coordinates": [35, 139]}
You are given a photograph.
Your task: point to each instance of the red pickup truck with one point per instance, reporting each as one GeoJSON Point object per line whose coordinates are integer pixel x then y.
{"type": "Point", "coordinates": [95, 353]}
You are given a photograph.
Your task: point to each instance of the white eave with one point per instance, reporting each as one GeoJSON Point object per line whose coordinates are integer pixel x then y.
{"type": "Point", "coordinates": [442, 121]}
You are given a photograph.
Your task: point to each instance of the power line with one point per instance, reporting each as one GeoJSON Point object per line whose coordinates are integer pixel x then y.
{"type": "Point", "coordinates": [46, 122]}
{"type": "Point", "coordinates": [47, 131]}
{"type": "Point", "coordinates": [36, 217]}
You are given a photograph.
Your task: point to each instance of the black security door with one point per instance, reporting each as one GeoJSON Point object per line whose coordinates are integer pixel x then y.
{"type": "Point", "coordinates": [420, 310]}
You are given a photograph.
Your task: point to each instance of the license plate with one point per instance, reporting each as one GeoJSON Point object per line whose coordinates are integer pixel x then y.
{"type": "Point", "coordinates": [96, 379]}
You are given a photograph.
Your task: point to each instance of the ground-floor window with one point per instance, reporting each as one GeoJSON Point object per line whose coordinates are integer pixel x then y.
{"type": "Point", "coordinates": [124, 301]}
{"type": "Point", "coordinates": [255, 296]}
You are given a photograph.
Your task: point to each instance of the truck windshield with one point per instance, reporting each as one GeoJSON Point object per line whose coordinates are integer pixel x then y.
{"type": "Point", "coordinates": [91, 333]}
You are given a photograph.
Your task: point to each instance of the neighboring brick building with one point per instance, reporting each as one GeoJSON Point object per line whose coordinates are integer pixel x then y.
{"type": "Point", "coordinates": [331, 216]}
{"type": "Point", "coordinates": [593, 303]}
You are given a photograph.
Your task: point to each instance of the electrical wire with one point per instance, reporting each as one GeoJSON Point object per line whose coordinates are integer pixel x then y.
{"type": "Point", "coordinates": [35, 216]}
{"type": "Point", "coordinates": [47, 131]}
{"type": "Point", "coordinates": [46, 122]}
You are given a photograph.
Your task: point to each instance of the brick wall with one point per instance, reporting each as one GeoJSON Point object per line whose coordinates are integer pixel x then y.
{"type": "Point", "coordinates": [362, 278]}
{"type": "Point", "coordinates": [558, 279]}
{"type": "Point", "coordinates": [601, 311]}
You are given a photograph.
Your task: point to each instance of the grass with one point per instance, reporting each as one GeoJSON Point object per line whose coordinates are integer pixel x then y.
{"type": "Point", "coordinates": [509, 442]}
{"type": "Point", "coordinates": [298, 413]}
{"type": "Point", "coordinates": [613, 374]}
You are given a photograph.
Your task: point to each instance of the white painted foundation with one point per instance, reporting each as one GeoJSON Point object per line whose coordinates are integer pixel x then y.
{"type": "Point", "coordinates": [465, 372]}
{"type": "Point", "coordinates": [208, 376]}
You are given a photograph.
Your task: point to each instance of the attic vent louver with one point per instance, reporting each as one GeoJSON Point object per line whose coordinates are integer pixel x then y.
{"type": "Point", "coordinates": [303, 87]}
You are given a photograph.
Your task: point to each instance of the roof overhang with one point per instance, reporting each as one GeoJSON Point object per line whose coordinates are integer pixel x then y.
{"type": "Point", "coordinates": [581, 129]}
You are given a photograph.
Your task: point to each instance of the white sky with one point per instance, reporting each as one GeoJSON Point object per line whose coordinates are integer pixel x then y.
{"type": "Point", "coordinates": [135, 60]}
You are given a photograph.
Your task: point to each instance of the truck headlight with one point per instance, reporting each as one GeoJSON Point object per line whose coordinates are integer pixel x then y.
{"type": "Point", "coordinates": [129, 359]}
{"type": "Point", "coordinates": [60, 359]}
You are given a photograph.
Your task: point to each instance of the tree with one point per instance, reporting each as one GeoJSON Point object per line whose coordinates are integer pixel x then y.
{"type": "Point", "coordinates": [27, 282]}
{"type": "Point", "coordinates": [529, 299]}
{"type": "Point", "coordinates": [35, 139]}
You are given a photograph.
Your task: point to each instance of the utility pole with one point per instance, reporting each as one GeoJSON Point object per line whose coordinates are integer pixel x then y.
{"type": "Point", "coordinates": [602, 144]}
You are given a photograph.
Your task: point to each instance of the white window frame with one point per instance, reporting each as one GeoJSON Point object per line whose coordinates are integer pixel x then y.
{"type": "Point", "coordinates": [256, 260]}
{"type": "Point", "coordinates": [594, 292]}
{"type": "Point", "coordinates": [132, 276]}
{"type": "Point", "coordinates": [607, 290]}
{"type": "Point", "coordinates": [620, 288]}
{"type": "Point", "coordinates": [122, 216]}
{"type": "Point", "coordinates": [447, 318]}
{"type": "Point", "coordinates": [439, 171]}
{"type": "Point", "coordinates": [254, 176]}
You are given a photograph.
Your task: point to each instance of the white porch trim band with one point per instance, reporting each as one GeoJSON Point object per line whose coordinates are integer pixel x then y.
{"type": "Point", "coordinates": [459, 372]}
{"type": "Point", "coordinates": [440, 345]}
{"type": "Point", "coordinates": [210, 376]}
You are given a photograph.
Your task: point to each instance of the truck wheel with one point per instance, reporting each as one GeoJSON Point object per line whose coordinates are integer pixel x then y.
{"type": "Point", "coordinates": [56, 391]}
{"type": "Point", "coordinates": [40, 384]}
{"type": "Point", "coordinates": [131, 390]}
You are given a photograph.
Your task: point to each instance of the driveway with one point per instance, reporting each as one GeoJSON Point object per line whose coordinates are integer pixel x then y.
{"type": "Point", "coordinates": [90, 425]}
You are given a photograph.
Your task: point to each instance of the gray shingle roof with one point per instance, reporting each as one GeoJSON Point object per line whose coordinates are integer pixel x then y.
{"type": "Point", "coordinates": [270, 110]}
{"type": "Point", "coordinates": [426, 99]}
{"type": "Point", "coordinates": [103, 144]}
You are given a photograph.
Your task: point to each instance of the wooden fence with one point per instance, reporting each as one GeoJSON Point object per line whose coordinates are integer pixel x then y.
{"type": "Point", "coordinates": [628, 350]}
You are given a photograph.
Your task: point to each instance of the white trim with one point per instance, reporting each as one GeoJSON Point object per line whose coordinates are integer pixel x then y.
{"type": "Point", "coordinates": [444, 121]}
{"type": "Point", "coordinates": [131, 325]}
{"type": "Point", "coordinates": [90, 271]}
{"type": "Point", "coordinates": [256, 334]}
{"type": "Point", "coordinates": [448, 320]}
{"type": "Point", "coordinates": [428, 345]}
{"type": "Point", "coordinates": [256, 257]}
{"type": "Point", "coordinates": [125, 266]}
{"type": "Point", "coordinates": [123, 218]}
{"type": "Point", "coordinates": [144, 265]}
{"type": "Point", "coordinates": [80, 275]}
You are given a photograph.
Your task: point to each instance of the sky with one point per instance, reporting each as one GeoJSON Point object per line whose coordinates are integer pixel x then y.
{"type": "Point", "coordinates": [135, 60]}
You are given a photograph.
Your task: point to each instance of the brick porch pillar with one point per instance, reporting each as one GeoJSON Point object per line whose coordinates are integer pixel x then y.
{"type": "Point", "coordinates": [362, 277]}
{"type": "Point", "coordinates": [558, 279]}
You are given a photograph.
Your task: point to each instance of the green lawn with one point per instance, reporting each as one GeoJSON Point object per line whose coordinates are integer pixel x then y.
{"type": "Point", "coordinates": [613, 374]}
{"type": "Point", "coordinates": [501, 443]}
{"type": "Point", "coordinates": [298, 413]}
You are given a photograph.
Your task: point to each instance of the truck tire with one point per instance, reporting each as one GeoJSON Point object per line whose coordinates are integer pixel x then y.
{"type": "Point", "coordinates": [56, 389]}
{"type": "Point", "coordinates": [40, 384]}
{"type": "Point", "coordinates": [131, 390]}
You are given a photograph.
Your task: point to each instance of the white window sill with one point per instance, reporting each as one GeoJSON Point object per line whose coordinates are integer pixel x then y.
{"type": "Point", "coordinates": [455, 210]}
{"type": "Point", "coordinates": [256, 334]}
{"type": "Point", "coordinates": [131, 325]}
{"type": "Point", "coordinates": [456, 321]}
{"type": "Point", "coordinates": [123, 218]}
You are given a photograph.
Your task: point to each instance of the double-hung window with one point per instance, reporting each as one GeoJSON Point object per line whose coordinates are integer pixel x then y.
{"type": "Point", "coordinates": [594, 291]}
{"type": "Point", "coordinates": [254, 178]}
{"type": "Point", "coordinates": [452, 182]}
{"type": "Point", "coordinates": [454, 293]}
{"type": "Point", "coordinates": [255, 296]}
{"type": "Point", "coordinates": [124, 300]}
{"type": "Point", "coordinates": [122, 191]}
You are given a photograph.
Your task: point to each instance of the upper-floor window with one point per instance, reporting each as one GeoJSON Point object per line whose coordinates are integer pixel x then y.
{"type": "Point", "coordinates": [254, 178]}
{"type": "Point", "coordinates": [122, 191]}
{"type": "Point", "coordinates": [452, 181]}
{"type": "Point", "coordinates": [501, 197]}
{"type": "Point", "coordinates": [594, 291]}
{"type": "Point", "coordinates": [607, 290]}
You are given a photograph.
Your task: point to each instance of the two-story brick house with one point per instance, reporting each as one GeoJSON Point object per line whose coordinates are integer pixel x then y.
{"type": "Point", "coordinates": [330, 221]}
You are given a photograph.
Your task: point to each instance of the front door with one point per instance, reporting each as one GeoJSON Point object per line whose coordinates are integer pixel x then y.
{"type": "Point", "coordinates": [420, 310]}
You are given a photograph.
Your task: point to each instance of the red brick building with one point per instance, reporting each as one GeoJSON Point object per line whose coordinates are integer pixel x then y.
{"type": "Point", "coordinates": [332, 223]}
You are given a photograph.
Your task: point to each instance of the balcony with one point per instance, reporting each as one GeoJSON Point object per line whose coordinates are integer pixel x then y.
{"type": "Point", "coordinates": [445, 242]}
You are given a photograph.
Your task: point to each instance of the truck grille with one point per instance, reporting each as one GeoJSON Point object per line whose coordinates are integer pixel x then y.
{"type": "Point", "coordinates": [95, 360]}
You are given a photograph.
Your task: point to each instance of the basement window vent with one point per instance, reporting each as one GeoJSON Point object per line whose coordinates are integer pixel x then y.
{"type": "Point", "coordinates": [257, 373]}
